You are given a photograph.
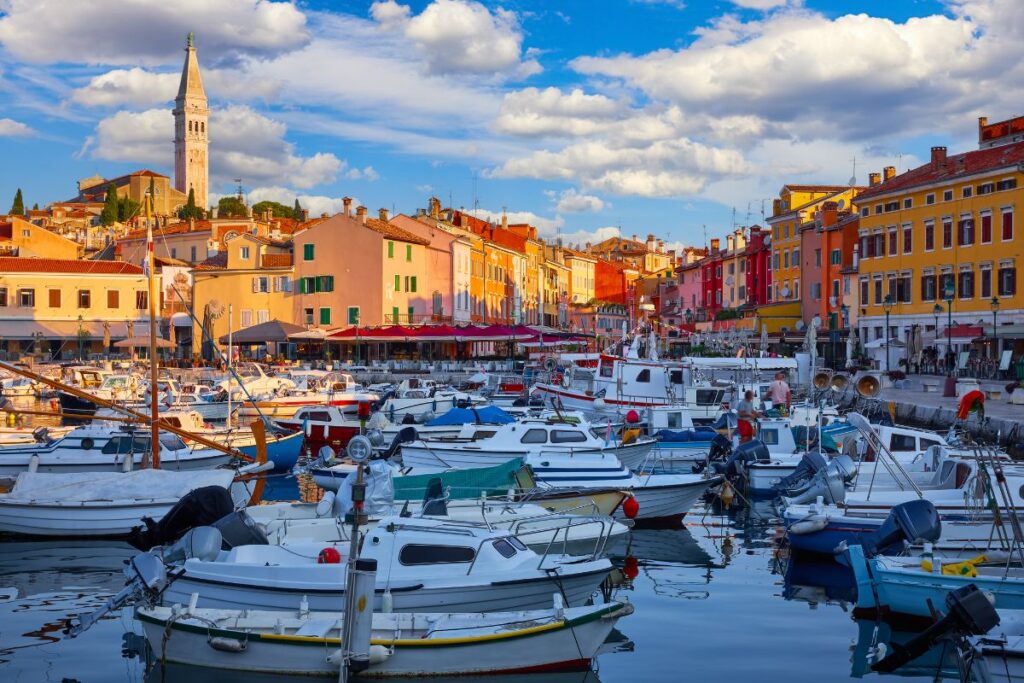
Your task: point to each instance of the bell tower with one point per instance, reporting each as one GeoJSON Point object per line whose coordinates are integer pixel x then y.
{"type": "Point", "coordinates": [191, 115]}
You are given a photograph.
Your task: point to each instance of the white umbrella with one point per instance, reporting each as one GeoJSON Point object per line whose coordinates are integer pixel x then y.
{"type": "Point", "coordinates": [850, 340]}
{"type": "Point", "coordinates": [812, 342]}
{"type": "Point", "coordinates": [764, 339]}
{"type": "Point", "coordinates": [652, 346]}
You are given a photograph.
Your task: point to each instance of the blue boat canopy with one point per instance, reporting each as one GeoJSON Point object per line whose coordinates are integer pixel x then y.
{"type": "Point", "coordinates": [462, 416]}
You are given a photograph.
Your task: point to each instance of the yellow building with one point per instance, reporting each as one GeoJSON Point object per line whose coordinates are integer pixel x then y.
{"type": "Point", "coordinates": [581, 280]}
{"type": "Point", "coordinates": [253, 275]}
{"type": "Point", "coordinates": [58, 306]}
{"type": "Point", "coordinates": [556, 293]}
{"type": "Point", "coordinates": [19, 237]}
{"type": "Point", "coordinates": [941, 241]}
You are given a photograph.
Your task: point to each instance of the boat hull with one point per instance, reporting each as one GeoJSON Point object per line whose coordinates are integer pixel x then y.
{"type": "Point", "coordinates": [81, 520]}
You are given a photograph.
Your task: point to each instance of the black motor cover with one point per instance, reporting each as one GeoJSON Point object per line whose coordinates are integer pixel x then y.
{"type": "Point", "coordinates": [751, 451]}
{"type": "Point", "coordinates": [915, 520]}
{"type": "Point", "coordinates": [809, 465]}
{"type": "Point", "coordinates": [200, 507]}
{"type": "Point", "coordinates": [404, 435]}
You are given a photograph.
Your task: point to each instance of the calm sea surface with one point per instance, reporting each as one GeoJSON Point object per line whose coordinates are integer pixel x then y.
{"type": "Point", "coordinates": [712, 603]}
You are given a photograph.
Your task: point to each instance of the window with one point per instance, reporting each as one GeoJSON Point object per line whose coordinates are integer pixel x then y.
{"type": "Point", "coordinates": [391, 249]}
{"type": "Point", "coordinates": [892, 242]}
{"type": "Point", "coordinates": [308, 252]}
{"type": "Point", "coordinates": [865, 246]}
{"type": "Point", "coordinates": [567, 436]}
{"type": "Point", "coordinates": [325, 316]}
{"type": "Point", "coordinates": [967, 284]}
{"type": "Point", "coordinates": [927, 443]}
{"type": "Point", "coordinates": [928, 283]}
{"type": "Point", "coordinates": [1008, 184]}
{"type": "Point", "coordinates": [353, 315]}
{"type": "Point", "coordinates": [986, 283]}
{"type": "Point", "coordinates": [908, 202]}
{"type": "Point", "coordinates": [903, 288]}
{"type": "Point", "coordinates": [262, 316]}
{"type": "Point", "coordinates": [408, 252]}
{"type": "Point", "coordinates": [26, 298]}
{"type": "Point", "coordinates": [1007, 225]}
{"type": "Point", "coordinates": [864, 291]}
{"type": "Point", "coordinates": [84, 298]}
{"type": "Point", "coordinates": [835, 257]}
{"type": "Point", "coordinates": [411, 313]}
{"type": "Point", "coordinates": [644, 375]}
{"type": "Point", "coordinates": [325, 283]}
{"type": "Point", "coordinates": [817, 257]}
{"type": "Point", "coordinates": [986, 228]}
{"type": "Point", "coordinates": [193, 252]}
{"type": "Point", "coordinates": [929, 198]}
{"type": "Point", "coordinates": [947, 195]}
{"type": "Point", "coordinates": [965, 232]}
{"type": "Point", "coordinates": [816, 291]}
{"type": "Point", "coordinates": [929, 236]}
{"type": "Point", "coordinates": [796, 258]}
{"type": "Point", "coordinates": [504, 548]}
{"type": "Point", "coordinates": [418, 554]}
{"type": "Point", "coordinates": [3, 297]}
{"type": "Point", "coordinates": [878, 291]}
{"type": "Point", "coordinates": [903, 442]}
{"type": "Point", "coordinates": [796, 289]}
{"type": "Point", "coordinates": [394, 313]}
{"type": "Point", "coordinates": [398, 283]}
{"type": "Point", "coordinates": [412, 284]}
{"type": "Point", "coordinates": [967, 191]}
{"type": "Point", "coordinates": [54, 295]}
{"type": "Point", "coordinates": [986, 188]}
{"type": "Point", "coordinates": [174, 252]}
{"type": "Point", "coordinates": [947, 233]}
{"type": "Point", "coordinates": [785, 259]}
{"type": "Point", "coordinates": [244, 253]}
{"type": "Point", "coordinates": [863, 212]}
{"type": "Point", "coordinates": [878, 208]}
{"type": "Point", "coordinates": [141, 300]}
{"type": "Point", "coordinates": [1007, 281]}
{"type": "Point", "coordinates": [534, 436]}
{"type": "Point", "coordinates": [879, 248]}
{"type": "Point", "coordinates": [308, 315]}
{"type": "Point", "coordinates": [261, 284]}
{"type": "Point", "coordinates": [947, 286]}
{"type": "Point", "coordinates": [908, 240]}
{"type": "Point", "coordinates": [892, 206]}
{"type": "Point", "coordinates": [246, 318]}
{"type": "Point", "coordinates": [835, 289]}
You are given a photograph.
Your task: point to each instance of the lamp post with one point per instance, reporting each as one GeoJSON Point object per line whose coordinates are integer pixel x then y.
{"type": "Point", "coordinates": [995, 332]}
{"type": "Point", "coordinates": [949, 322]}
{"type": "Point", "coordinates": [936, 311]}
{"type": "Point", "coordinates": [887, 307]}
{"type": "Point", "coordinates": [844, 323]}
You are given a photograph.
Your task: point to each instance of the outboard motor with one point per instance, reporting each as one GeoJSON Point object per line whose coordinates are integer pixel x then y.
{"type": "Point", "coordinates": [907, 523]}
{"type": "Point", "coordinates": [812, 463]}
{"type": "Point", "coordinates": [829, 483]}
{"type": "Point", "coordinates": [376, 437]}
{"type": "Point", "coordinates": [409, 419]}
{"type": "Point", "coordinates": [198, 507]}
{"type": "Point", "coordinates": [751, 451]}
{"type": "Point", "coordinates": [405, 435]}
{"type": "Point", "coordinates": [720, 449]}
{"type": "Point", "coordinates": [42, 435]}
{"type": "Point", "coordinates": [239, 528]}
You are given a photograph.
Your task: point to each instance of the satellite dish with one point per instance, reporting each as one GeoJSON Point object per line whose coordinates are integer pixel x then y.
{"type": "Point", "coordinates": [729, 281]}
{"type": "Point", "coordinates": [784, 291]}
{"type": "Point", "coordinates": [842, 202]}
{"type": "Point", "coordinates": [800, 325]}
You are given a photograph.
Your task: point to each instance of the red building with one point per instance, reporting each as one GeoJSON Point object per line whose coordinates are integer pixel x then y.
{"type": "Point", "coordinates": [711, 283]}
{"type": "Point", "coordinates": [758, 253]}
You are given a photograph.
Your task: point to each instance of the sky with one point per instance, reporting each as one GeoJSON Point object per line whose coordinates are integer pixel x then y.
{"type": "Point", "coordinates": [587, 118]}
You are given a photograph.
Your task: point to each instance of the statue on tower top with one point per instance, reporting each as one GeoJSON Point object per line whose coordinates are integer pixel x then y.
{"type": "Point", "coordinates": [191, 39]}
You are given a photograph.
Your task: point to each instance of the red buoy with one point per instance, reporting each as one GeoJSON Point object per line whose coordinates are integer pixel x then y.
{"type": "Point", "coordinates": [630, 568]}
{"type": "Point", "coordinates": [329, 556]}
{"type": "Point", "coordinates": [632, 417]}
{"type": "Point", "coordinates": [630, 507]}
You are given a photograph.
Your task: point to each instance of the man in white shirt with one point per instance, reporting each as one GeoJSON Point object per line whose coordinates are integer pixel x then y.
{"type": "Point", "coordinates": [778, 391]}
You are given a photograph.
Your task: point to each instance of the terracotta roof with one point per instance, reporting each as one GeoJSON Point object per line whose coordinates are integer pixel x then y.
{"type": "Point", "coordinates": [956, 166]}
{"type": "Point", "coordinates": [51, 265]}
{"type": "Point", "coordinates": [815, 188]}
{"type": "Point", "coordinates": [219, 260]}
{"type": "Point", "coordinates": [172, 229]}
{"type": "Point", "coordinates": [276, 260]}
{"type": "Point", "coordinates": [394, 232]}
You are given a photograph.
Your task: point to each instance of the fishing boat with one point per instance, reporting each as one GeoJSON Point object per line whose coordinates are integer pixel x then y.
{"type": "Point", "coordinates": [341, 394]}
{"type": "Point", "coordinates": [520, 439]}
{"type": "Point", "coordinates": [423, 399]}
{"type": "Point", "coordinates": [998, 656]}
{"type": "Point", "coordinates": [97, 504]}
{"type": "Point", "coordinates": [401, 645]}
{"type": "Point", "coordinates": [424, 564]}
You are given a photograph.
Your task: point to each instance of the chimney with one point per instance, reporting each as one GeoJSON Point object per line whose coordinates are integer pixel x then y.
{"type": "Point", "coordinates": [874, 179]}
{"type": "Point", "coordinates": [382, 214]}
{"type": "Point", "coordinates": [213, 212]}
{"type": "Point", "coordinates": [661, 246]}
{"type": "Point", "coordinates": [714, 245]}
{"type": "Point", "coordinates": [888, 173]}
{"type": "Point", "coordinates": [421, 212]}
{"type": "Point", "coordinates": [588, 247]}
{"type": "Point", "coordinates": [982, 122]}
{"type": "Point", "coordinates": [729, 242]}
{"type": "Point", "coordinates": [504, 220]}
{"type": "Point", "coordinates": [829, 214]}
{"type": "Point", "coordinates": [304, 215]}
{"type": "Point", "coordinates": [435, 208]}
{"type": "Point", "coordinates": [776, 207]}
{"type": "Point", "coordinates": [347, 203]}
{"type": "Point", "coordinates": [191, 224]}
{"type": "Point", "coordinates": [361, 214]}
{"type": "Point", "coordinates": [938, 157]}
{"type": "Point", "coordinates": [635, 239]}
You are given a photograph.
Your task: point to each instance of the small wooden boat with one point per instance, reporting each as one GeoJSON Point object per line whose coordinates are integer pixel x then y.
{"type": "Point", "coordinates": [289, 642]}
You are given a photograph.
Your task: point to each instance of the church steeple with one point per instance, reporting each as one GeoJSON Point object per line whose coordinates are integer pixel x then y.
{"type": "Point", "coordinates": [191, 115]}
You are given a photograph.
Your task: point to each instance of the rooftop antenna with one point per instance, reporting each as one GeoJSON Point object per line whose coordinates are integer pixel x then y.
{"type": "Point", "coordinates": [853, 178]}
{"type": "Point", "coordinates": [762, 210]}
{"type": "Point", "coordinates": [705, 228]}
{"type": "Point", "coordinates": [476, 201]}
{"type": "Point", "coordinates": [241, 194]}
{"type": "Point", "coordinates": [734, 218]}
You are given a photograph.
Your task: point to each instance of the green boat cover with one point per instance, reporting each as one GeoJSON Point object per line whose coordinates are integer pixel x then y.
{"type": "Point", "coordinates": [471, 483]}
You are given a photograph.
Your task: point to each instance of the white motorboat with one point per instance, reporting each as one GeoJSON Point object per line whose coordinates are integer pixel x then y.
{"type": "Point", "coordinates": [334, 389]}
{"type": "Point", "coordinates": [424, 564]}
{"type": "Point", "coordinates": [492, 445]}
{"type": "Point", "coordinates": [96, 504]}
{"type": "Point", "coordinates": [100, 448]}
{"type": "Point", "coordinates": [423, 399]}
{"type": "Point", "coordinates": [998, 656]}
{"type": "Point", "coordinates": [405, 645]}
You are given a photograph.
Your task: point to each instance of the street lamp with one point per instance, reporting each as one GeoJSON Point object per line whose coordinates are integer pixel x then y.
{"type": "Point", "coordinates": [887, 307]}
{"type": "Point", "coordinates": [949, 321]}
{"type": "Point", "coordinates": [937, 311]}
{"type": "Point", "coordinates": [995, 331]}
{"type": "Point", "coordinates": [844, 311]}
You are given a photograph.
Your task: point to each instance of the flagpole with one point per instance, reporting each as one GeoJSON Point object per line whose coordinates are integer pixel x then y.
{"type": "Point", "coordinates": [154, 387]}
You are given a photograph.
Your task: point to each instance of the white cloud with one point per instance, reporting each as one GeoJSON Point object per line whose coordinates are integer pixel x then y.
{"type": "Point", "coordinates": [549, 111]}
{"type": "Point", "coordinates": [315, 204]}
{"type": "Point", "coordinates": [139, 87]}
{"type": "Point", "coordinates": [147, 31]}
{"type": "Point", "coordinates": [677, 4]}
{"type": "Point", "coordinates": [582, 237]}
{"type": "Point", "coordinates": [461, 36]}
{"type": "Point", "coordinates": [571, 201]}
{"type": "Point", "coordinates": [244, 144]}
{"type": "Point", "coordinates": [762, 5]}
{"type": "Point", "coordinates": [15, 129]}
{"type": "Point", "coordinates": [545, 226]}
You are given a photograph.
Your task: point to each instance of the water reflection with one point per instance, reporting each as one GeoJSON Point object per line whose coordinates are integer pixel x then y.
{"type": "Point", "coordinates": [177, 673]}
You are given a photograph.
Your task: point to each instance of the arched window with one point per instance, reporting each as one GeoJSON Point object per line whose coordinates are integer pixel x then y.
{"type": "Point", "coordinates": [189, 126]}
{"type": "Point", "coordinates": [202, 125]}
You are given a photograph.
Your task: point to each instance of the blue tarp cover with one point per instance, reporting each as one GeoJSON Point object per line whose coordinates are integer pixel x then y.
{"type": "Point", "coordinates": [462, 416]}
{"type": "Point", "coordinates": [669, 436]}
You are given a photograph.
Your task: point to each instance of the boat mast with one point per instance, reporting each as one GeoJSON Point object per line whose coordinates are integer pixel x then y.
{"type": "Point", "coordinates": [154, 440]}
{"type": "Point", "coordinates": [230, 374]}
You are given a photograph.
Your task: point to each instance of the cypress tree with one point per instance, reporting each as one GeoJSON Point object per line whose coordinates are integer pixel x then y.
{"type": "Point", "coordinates": [297, 211]}
{"type": "Point", "coordinates": [18, 207]}
{"type": "Point", "coordinates": [35, 207]}
{"type": "Point", "coordinates": [110, 206]}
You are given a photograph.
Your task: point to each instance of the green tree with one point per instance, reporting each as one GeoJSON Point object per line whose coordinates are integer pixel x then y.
{"type": "Point", "coordinates": [231, 207]}
{"type": "Point", "coordinates": [277, 210]}
{"type": "Point", "coordinates": [127, 208]}
{"type": "Point", "coordinates": [35, 207]}
{"type": "Point", "coordinates": [297, 211]}
{"type": "Point", "coordinates": [18, 207]}
{"type": "Point", "coordinates": [110, 206]}
{"type": "Point", "coordinates": [190, 210]}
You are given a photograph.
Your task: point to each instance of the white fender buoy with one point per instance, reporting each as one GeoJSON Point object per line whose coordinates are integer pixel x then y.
{"type": "Point", "coordinates": [808, 526]}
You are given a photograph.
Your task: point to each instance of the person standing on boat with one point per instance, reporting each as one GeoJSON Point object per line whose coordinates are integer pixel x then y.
{"type": "Point", "coordinates": [779, 392]}
{"type": "Point", "coordinates": [747, 423]}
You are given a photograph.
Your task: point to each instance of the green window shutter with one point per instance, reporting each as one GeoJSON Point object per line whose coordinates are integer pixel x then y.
{"type": "Point", "coordinates": [398, 283]}
{"type": "Point", "coordinates": [308, 251]}
{"type": "Point", "coordinates": [303, 289]}
{"type": "Point", "coordinates": [391, 250]}
{"type": "Point", "coordinates": [408, 252]}
{"type": "Point", "coordinates": [353, 315]}
{"type": "Point", "coordinates": [410, 313]}
{"type": "Point", "coordinates": [325, 316]}
{"type": "Point", "coordinates": [394, 315]}
{"type": "Point", "coordinates": [412, 284]}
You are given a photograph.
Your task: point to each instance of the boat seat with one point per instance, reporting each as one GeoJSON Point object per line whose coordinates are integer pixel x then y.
{"type": "Point", "coordinates": [317, 628]}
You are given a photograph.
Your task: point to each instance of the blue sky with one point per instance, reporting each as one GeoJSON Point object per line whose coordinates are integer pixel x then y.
{"type": "Point", "coordinates": [649, 116]}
